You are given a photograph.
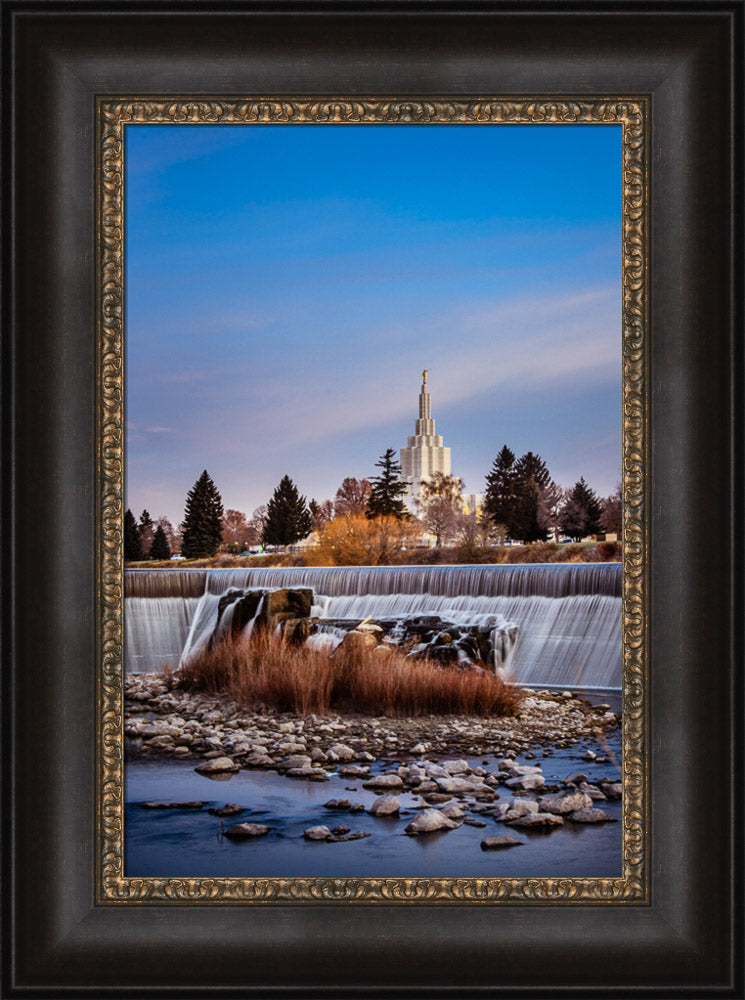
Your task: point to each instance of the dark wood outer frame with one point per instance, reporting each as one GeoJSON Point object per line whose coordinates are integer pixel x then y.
{"type": "Point", "coordinates": [60, 56]}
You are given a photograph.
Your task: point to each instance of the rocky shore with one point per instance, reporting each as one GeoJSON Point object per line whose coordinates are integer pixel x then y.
{"type": "Point", "coordinates": [392, 756]}
{"type": "Point", "coordinates": [169, 720]}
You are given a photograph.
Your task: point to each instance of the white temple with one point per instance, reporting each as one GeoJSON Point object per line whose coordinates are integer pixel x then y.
{"type": "Point", "coordinates": [424, 452]}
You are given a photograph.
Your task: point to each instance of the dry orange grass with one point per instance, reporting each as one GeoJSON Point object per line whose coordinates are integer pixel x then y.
{"type": "Point", "coordinates": [375, 681]}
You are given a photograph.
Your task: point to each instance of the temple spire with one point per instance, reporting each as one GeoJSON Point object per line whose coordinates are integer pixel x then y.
{"type": "Point", "coordinates": [424, 452]}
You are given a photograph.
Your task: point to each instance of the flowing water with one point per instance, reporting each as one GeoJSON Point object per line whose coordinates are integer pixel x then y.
{"type": "Point", "coordinates": [568, 615]}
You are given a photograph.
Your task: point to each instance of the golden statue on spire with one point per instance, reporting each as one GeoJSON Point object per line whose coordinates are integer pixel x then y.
{"type": "Point", "coordinates": [424, 376]}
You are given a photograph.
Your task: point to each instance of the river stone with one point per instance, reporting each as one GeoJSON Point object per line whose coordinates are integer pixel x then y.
{"type": "Point", "coordinates": [296, 760]}
{"type": "Point", "coordinates": [511, 810]}
{"type": "Point", "coordinates": [453, 811]}
{"type": "Point", "coordinates": [384, 782]}
{"type": "Point", "coordinates": [340, 752]}
{"type": "Point", "coordinates": [593, 791]}
{"type": "Point", "coordinates": [317, 833]}
{"type": "Point", "coordinates": [244, 830]}
{"type": "Point", "coordinates": [428, 821]}
{"type": "Point", "coordinates": [537, 820]}
{"type": "Point", "coordinates": [472, 821]}
{"type": "Point", "coordinates": [385, 805]}
{"type": "Point", "coordinates": [171, 805]}
{"type": "Point", "coordinates": [612, 789]}
{"type": "Point", "coordinates": [576, 779]}
{"type": "Point", "coordinates": [527, 782]}
{"type": "Point", "coordinates": [455, 786]}
{"type": "Point", "coordinates": [231, 809]}
{"type": "Point", "coordinates": [310, 773]}
{"type": "Point", "coordinates": [353, 771]}
{"type": "Point", "coordinates": [520, 770]}
{"type": "Point", "coordinates": [337, 804]}
{"type": "Point", "coordinates": [591, 816]}
{"type": "Point", "coordinates": [563, 803]}
{"type": "Point", "coordinates": [499, 843]}
{"type": "Point", "coordinates": [260, 760]}
{"type": "Point", "coordinates": [216, 766]}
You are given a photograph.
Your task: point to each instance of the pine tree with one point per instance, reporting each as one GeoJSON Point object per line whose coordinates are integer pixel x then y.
{"type": "Point", "coordinates": [500, 499]}
{"type": "Point", "coordinates": [531, 478]}
{"type": "Point", "coordinates": [287, 516]}
{"type": "Point", "coordinates": [202, 527]}
{"type": "Point", "coordinates": [387, 489]}
{"type": "Point", "coordinates": [160, 549]}
{"type": "Point", "coordinates": [589, 501]}
{"type": "Point", "coordinates": [146, 532]}
{"type": "Point", "coordinates": [582, 512]}
{"type": "Point", "coordinates": [132, 544]}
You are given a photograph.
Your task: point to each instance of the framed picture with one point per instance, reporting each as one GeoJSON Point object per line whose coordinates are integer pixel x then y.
{"type": "Point", "coordinates": [344, 613]}
{"type": "Point", "coordinates": [96, 909]}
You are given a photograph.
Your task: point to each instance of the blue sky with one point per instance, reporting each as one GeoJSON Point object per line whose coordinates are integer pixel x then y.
{"type": "Point", "coordinates": [286, 284]}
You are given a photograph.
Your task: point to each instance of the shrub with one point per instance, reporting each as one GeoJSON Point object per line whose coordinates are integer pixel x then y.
{"type": "Point", "coordinates": [266, 670]}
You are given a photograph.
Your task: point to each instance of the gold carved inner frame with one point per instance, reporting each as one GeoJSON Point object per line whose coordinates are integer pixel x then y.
{"type": "Point", "coordinates": [112, 114]}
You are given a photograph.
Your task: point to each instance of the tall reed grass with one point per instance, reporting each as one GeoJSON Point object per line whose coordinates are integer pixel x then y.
{"type": "Point", "coordinates": [267, 671]}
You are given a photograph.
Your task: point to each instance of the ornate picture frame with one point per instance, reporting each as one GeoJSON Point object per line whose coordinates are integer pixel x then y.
{"type": "Point", "coordinates": [68, 924]}
{"type": "Point", "coordinates": [113, 117]}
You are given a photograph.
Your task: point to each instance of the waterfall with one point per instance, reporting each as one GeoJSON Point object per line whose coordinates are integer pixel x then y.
{"type": "Point", "coordinates": [155, 631]}
{"type": "Point", "coordinates": [568, 615]}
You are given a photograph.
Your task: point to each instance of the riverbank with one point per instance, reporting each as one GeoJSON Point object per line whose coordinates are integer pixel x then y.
{"type": "Point", "coordinates": [165, 719]}
{"type": "Point", "coordinates": [201, 770]}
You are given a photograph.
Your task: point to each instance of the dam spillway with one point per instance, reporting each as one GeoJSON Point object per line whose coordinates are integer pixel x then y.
{"type": "Point", "coordinates": [568, 614]}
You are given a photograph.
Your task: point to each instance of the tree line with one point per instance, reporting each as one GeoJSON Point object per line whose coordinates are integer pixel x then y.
{"type": "Point", "coordinates": [521, 502]}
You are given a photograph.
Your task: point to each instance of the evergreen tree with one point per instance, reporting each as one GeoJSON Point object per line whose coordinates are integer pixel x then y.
{"type": "Point", "coordinates": [287, 516]}
{"type": "Point", "coordinates": [202, 527]}
{"type": "Point", "coordinates": [499, 499]}
{"type": "Point", "coordinates": [573, 519]}
{"type": "Point", "coordinates": [589, 501]}
{"type": "Point", "coordinates": [387, 489]}
{"type": "Point", "coordinates": [160, 549]}
{"type": "Point", "coordinates": [582, 512]}
{"type": "Point", "coordinates": [146, 532]}
{"type": "Point", "coordinates": [530, 480]}
{"type": "Point", "coordinates": [132, 544]}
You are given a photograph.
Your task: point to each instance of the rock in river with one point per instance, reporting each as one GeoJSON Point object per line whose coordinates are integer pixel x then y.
{"type": "Point", "coordinates": [219, 765]}
{"type": "Point", "coordinates": [385, 805]}
{"type": "Point", "coordinates": [499, 843]}
{"type": "Point", "coordinates": [242, 831]}
{"type": "Point", "coordinates": [428, 821]}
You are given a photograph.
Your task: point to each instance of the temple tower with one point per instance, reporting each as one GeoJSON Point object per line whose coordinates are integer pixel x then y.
{"type": "Point", "coordinates": [424, 452]}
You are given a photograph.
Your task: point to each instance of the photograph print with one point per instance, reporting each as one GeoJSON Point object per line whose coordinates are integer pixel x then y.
{"type": "Point", "coordinates": [380, 500]}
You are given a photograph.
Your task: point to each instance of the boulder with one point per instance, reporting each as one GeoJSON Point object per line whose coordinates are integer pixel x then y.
{"type": "Point", "coordinates": [538, 820]}
{"type": "Point", "coordinates": [428, 821]}
{"type": "Point", "coordinates": [526, 782]}
{"type": "Point", "coordinates": [456, 786]}
{"type": "Point", "coordinates": [231, 809]}
{"type": "Point", "coordinates": [385, 805]}
{"type": "Point", "coordinates": [563, 803]}
{"type": "Point", "coordinates": [344, 804]}
{"type": "Point", "coordinates": [385, 782]}
{"type": "Point", "coordinates": [499, 843]}
{"type": "Point", "coordinates": [317, 833]}
{"type": "Point", "coordinates": [172, 805]}
{"type": "Point", "coordinates": [296, 630]}
{"type": "Point", "coordinates": [590, 815]}
{"type": "Point", "coordinates": [283, 605]}
{"type": "Point", "coordinates": [219, 765]}
{"type": "Point", "coordinates": [241, 831]}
